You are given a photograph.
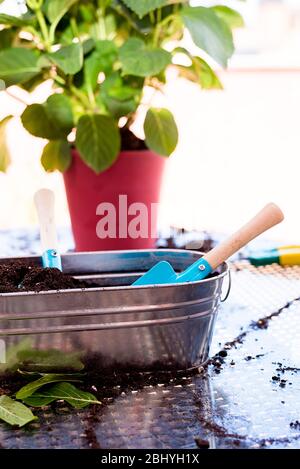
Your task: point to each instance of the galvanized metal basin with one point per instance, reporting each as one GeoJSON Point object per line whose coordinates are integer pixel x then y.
{"type": "Point", "coordinates": [115, 325]}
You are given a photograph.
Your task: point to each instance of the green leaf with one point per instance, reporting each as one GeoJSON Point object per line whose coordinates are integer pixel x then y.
{"type": "Point", "coordinates": [56, 9]}
{"type": "Point", "coordinates": [68, 58]}
{"type": "Point", "coordinates": [31, 84]}
{"type": "Point", "coordinates": [4, 151]}
{"type": "Point", "coordinates": [36, 121]}
{"type": "Point", "coordinates": [7, 37]}
{"type": "Point", "coordinates": [30, 388]}
{"type": "Point", "coordinates": [209, 32]}
{"type": "Point", "coordinates": [98, 141]}
{"type": "Point", "coordinates": [59, 110]}
{"type": "Point", "coordinates": [118, 107]}
{"type": "Point", "coordinates": [14, 413]}
{"type": "Point", "coordinates": [56, 156]}
{"type": "Point", "coordinates": [15, 20]}
{"type": "Point", "coordinates": [140, 60]}
{"type": "Point", "coordinates": [232, 17]}
{"type": "Point", "coordinates": [199, 72]}
{"type": "Point", "coordinates": [119, 98]}
{"type": "Point", "coordinates": [18, 65]}
{"type": "Point", "coordinates": [143, 7]}
{"type": "Point", "coordinates": [62, 391]}
{"type": "Point", "coordinates": [101, 60]}
{"type": "Point", "coordinates": [161, 131]}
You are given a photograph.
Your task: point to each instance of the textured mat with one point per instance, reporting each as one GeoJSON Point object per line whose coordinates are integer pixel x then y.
{"type": "Point", "coordinates": [247, 398]}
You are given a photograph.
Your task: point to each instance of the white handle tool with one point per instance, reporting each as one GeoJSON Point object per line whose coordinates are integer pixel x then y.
{"type": "Point", "coordinates": [44, 201]}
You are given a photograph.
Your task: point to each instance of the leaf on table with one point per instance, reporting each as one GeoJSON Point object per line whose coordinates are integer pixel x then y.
{"type": "Point", "coordinates": [30, 388]}
{"type": "Point", "coordinates": [14, 413]}
{"type": "Point", "coordinates": [62, 391]}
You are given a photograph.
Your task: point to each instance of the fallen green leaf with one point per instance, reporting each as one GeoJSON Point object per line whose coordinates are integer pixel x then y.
{"type": "Point", "coordinates": [30, 388]}
{"type": "Point", "coordinates": [62, 391]}
{"type": "Point", "coordinates": [14, 413]}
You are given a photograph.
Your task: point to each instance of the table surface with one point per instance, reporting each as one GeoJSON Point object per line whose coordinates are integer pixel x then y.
{"type": "Point", "coordinates": [248, 399]}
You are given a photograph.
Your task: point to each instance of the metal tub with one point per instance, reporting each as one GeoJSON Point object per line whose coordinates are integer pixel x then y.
{"type": "Point", "coordinates": [115, 325]}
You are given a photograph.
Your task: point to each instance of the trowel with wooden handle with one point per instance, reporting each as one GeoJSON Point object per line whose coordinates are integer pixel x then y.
{"type": "Point", "coordinates": [163, 272]}
{"type": "Point", "coordinates": [44, 201]}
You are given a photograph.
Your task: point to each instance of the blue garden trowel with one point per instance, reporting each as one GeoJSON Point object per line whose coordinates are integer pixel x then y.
{"type": "Point", "coordinates": [163, 272]}
{"type": "Point", "coordinates": [44, 201]}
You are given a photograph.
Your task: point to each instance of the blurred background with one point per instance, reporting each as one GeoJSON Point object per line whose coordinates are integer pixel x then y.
{"type": "Point", "coordinates": [239, 148]}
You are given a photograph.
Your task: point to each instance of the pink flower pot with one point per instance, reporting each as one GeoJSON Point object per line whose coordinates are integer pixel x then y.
{"type": "Point", "coordinates": [114, 209]}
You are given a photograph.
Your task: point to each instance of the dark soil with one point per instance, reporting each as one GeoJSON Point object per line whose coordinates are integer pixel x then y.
{"type": "Point", "coordinates": [18, 276]}
{"type": "Point", "coordinates": [11, 275]}
{"type": "Point", "coordinates": [130, 142]}
{"type": "Point", "coordinates": [131, 375]}
{"type": "Point", "coordinates": [202, 444]}
{"type": "Point", "coordinates": [39, 279]}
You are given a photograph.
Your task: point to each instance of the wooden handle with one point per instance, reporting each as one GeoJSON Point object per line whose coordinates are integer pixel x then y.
{"type": "Point", "coordinates": [269, 216]}
{"type": "Point", "coordinates": [44, 202]}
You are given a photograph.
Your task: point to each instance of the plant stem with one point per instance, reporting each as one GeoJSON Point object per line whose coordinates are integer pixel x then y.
{"type": "Point", "coordinates": [101, 20]}
{"type": "Point", "coordinates": [59, 80]}
{"type": "Point", "coordinates": [152, 17]}
{"type": "Point", "coordinates": [74, 27]}
{"type": "Point", "coordinates": [158, 16]}
{"type": "Point", "coordinates": [81, 96]}
{"type": "Point", "coordinates": [159, 28]}
{"type": "Point", "coordinates": [44, 29]}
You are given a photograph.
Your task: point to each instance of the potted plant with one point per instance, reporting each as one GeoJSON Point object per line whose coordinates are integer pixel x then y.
{"type": "Point", "coordinates": [100, 56]}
